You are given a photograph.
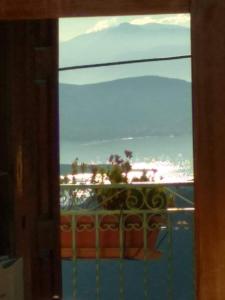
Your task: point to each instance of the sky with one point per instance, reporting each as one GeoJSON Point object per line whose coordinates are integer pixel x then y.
{"type": "Point", "coordinates": [72, 27]}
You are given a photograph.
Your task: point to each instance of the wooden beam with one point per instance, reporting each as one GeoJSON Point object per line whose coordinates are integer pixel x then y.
{"type": "Point", "coordinates": [38, 9]}
{"type": "Point", "coordinates": [208, 50]}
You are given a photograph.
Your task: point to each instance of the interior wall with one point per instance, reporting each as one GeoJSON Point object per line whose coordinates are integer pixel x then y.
{"type": "Point", "coordinates": [11, 9]}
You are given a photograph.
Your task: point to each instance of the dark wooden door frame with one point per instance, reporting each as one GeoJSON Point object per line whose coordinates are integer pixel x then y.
{"type": "Point", "coordinates": [29, 90]}
{"type": "Point", "coordinates": [208, 63]}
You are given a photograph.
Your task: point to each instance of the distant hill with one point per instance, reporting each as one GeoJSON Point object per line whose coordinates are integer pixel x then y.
{"type": "Point", "coordinates": [125, 42]}
{"type": "Point", "coordinates": [130, 107]}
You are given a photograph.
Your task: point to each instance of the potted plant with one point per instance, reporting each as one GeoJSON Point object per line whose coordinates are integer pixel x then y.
{"type": "Point", "coordinates": [139, 212]}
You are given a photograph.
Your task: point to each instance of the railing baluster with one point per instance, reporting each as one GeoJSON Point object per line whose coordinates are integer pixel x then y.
{"type": "Point", "coordinates": [74, 258]}
{"type": "Point", "coordinates": [121, 261]}
{"type": "Point", "coordinates": [170, 257]}
{"type": "Point", "coordinates": [192, 225]}
{"type": "Point", "coordinates": [97, 241]}
{"type": "Point", "coordinates": [145, 235]}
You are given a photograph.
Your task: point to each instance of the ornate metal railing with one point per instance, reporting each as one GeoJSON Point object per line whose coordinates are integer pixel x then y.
{"type": "Point", "coordinates": [148, 224]}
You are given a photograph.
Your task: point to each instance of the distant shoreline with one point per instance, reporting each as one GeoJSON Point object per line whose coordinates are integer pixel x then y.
{"type": "Point", "coordinates": [66, 169]}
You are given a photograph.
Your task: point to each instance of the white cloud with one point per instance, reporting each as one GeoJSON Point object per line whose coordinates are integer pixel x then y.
{"type": "Point", "coordinates": [70, 28]}
{"type": "Point", "coordinates": [179, 19]}
{"type": "Point", "coordinates": [143, 21]}
{"type": "Point", "coordinates": [102, 24]}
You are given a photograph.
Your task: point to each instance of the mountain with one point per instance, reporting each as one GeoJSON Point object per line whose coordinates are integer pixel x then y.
{"type": "Point", "coordinates": [130, 107]}
{"type": "Point", "coordinates": [126, 42]}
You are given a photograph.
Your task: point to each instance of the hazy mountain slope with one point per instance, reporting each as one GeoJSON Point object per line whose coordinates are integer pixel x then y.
{"type": "Point", "coordinates": [122, 108]}
{"type": "Point", "coordinates": [124, 42]}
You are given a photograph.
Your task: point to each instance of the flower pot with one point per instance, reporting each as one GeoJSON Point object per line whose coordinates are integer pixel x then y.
{"type": "Point", "coordinates": [110, 236]}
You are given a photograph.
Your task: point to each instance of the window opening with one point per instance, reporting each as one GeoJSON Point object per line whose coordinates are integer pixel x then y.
{"type": "Point", "coordinates": [126, 157]}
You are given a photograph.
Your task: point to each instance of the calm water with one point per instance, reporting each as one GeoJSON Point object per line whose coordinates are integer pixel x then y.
{"type": "Point", "coordinates": [175, 150]}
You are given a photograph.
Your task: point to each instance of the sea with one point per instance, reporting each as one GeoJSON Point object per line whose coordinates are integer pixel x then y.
{"type": "Point", "coordinates": [171, 155]}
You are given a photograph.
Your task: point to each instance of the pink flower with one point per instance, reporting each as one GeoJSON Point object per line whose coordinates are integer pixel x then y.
{"type": "Point", "coordinates": [128, 154]}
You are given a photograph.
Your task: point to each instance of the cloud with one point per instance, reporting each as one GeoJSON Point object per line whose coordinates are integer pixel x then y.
{"type": "Point", "coordinates": [70, 28]}
{"type": "Point", "coordinates": [103, 24]}
{"type": "Point", "coordinates": [179, 19]}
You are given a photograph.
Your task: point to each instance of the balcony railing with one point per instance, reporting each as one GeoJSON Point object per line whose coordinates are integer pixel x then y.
{"type": "Point", "coordinates": [134, 241]}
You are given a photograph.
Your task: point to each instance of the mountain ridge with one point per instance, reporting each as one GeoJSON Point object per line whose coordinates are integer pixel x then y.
{"type": "Point", "coordinates": [126, 42]}
{"type": "Point", "coordinates": [126, 79]}
{"type": "Point", "coordinates": [126, 25]}
{"type": "Point", "coordinates": [149, 105]}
